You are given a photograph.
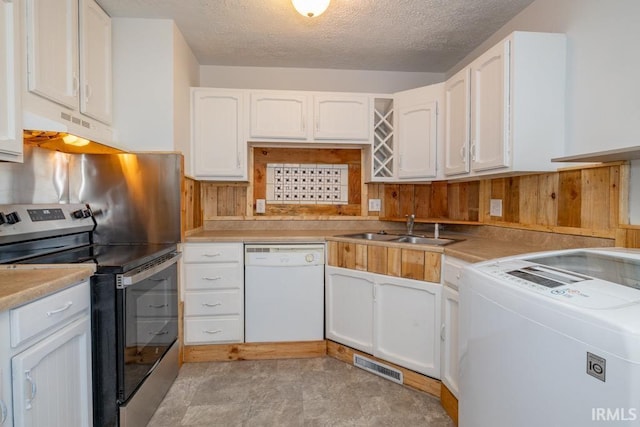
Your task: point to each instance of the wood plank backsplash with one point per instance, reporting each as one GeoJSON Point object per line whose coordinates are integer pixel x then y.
{"type": "Point", "coordinates": [589, 201]}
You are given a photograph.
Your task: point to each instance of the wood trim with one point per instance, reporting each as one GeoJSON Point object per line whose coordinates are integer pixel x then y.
{"type": "Point", "coordinates": [411, 379]}
{"type": "Point", "coordinates": [449, 403]}
{"type": "Point", "coordinates": [254, 351]}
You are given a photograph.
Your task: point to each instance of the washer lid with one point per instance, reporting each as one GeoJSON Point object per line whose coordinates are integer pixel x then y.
{"type": "Point", "coordinates": [563, 286]}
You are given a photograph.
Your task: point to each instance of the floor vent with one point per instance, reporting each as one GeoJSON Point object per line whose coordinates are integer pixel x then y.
{"type": "Point", "coordinates": [377, 368]}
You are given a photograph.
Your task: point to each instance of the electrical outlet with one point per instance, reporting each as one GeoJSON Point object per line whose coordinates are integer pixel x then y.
{"type": "Point", "coordinates": [261, 205]}
{"type": "Point", "coordinates": [495, 207]}
{"type": "Point", "coordinates": [374, 205]}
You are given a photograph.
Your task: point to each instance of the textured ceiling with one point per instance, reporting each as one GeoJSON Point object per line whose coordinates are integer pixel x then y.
{"type": "Point", "coordinates": [393, 35]}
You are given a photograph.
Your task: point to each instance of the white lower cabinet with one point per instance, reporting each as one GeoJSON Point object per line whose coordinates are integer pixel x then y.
{"type": "Point", "coordinates": [449, 327]}
{"type": "Point", "coordinates": [52, 379]}
{"type": "Point", "coordinates": [45, 376]}
{"type": "Point", "coordinates": [407, 320]}
{"type": "Point", "coordinates": [214, 293]}
{"type": "Point", "coordinates": [392, 318]}
{"type": "Point", "coordinates": [349, 307]}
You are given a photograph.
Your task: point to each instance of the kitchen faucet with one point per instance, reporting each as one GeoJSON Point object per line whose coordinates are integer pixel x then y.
{"type": "Point", "coordinates": [410, 219]}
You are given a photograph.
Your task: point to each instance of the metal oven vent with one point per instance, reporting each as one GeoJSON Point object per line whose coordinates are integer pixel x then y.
{"type": "Point", "coordinates": [377, 368]}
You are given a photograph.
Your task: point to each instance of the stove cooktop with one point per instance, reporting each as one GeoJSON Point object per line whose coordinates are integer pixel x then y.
{"type": "Point", "coordinates": [112, 258]}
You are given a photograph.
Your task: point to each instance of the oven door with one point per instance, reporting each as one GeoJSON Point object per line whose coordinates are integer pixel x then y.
{"type": "Point", "coordinates": [147, 306]}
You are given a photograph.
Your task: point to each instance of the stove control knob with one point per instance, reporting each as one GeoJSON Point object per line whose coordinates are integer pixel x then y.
{"type": "Point", "coordinates": [3, 218]}
{"type": "Point", "coordinates": [13, 218]}
{"type": "Point", "coordinates": [81, 213]}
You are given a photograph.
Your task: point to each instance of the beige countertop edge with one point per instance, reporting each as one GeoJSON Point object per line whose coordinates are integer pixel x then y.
{"type": "Point", "coordinates": [24, 283]}
{"type": "Point", "coordinates": [471, 249]}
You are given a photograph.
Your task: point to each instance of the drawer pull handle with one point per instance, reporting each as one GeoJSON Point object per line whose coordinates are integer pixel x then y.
{"type": "Point", "coordinates": [217, 331]}
{"type": "Point", "coordinates": [212, 255]}
{"type": "Point", "coordinates": [206, 304]}
{"type": "Point", "coordinates": [212, 278]}
{"type": "Point", "coordinates": [158, 333]}
{"type": "Point", "coordinates": [34, 389]}
{"type": "Point", "coordinates": [443, 334]}
{"type": "Point", "coordinates": [67, 306]}
{"type": "Point", "coordinates": [158, 305]}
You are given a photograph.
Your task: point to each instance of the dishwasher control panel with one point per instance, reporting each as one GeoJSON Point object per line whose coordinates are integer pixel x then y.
{"type": "Point", "coordinates": [284, 254]}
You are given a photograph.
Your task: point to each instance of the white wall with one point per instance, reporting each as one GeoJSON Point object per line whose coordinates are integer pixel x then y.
{"type": "Point", "coordinates": [186, 73]}
{"type": "Point", "coordinates": [314, 79]}
{"type": "Point", "coordinates": [142, 82]}
{"type": "Point", "coordinates": [603, 64]}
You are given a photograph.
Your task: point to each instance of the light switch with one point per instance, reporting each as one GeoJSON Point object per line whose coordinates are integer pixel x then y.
{"type": "Point", "coordinates": [495, 207]}
{"type": "Point", "coordinates": [374, 205]}
{"type": "Point", "coordinates": [261, 205]}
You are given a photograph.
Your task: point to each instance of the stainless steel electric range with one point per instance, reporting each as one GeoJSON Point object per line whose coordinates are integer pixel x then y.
{"type": "Point", "coordinates": [134, 304]}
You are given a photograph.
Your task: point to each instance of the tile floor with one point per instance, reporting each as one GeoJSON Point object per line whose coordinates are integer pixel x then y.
{"type": "Point", "coordinates": [299, 392]}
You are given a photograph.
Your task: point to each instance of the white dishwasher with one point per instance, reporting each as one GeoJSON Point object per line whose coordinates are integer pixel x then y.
{"type": "Point", "coordinates": [284, 292]}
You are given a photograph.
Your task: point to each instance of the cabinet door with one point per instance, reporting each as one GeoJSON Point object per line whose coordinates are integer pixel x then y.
{"type": "Point", "coordinates": [407, 321]}
{"type": "Point", "coordinates": [52, 379]}
{"type": "Point", "coordinates": [10, 106]}
{"type": "Point", "coordinates": [349, 308]}
{"type": "Point", "coordinates": [449, 338]}
{"type": "Point", "coordinates": [278, 115]}
{"type": "Point", "coordinates": [417, 130]}
{"type": "Point", "coordinates": [490, 109]}
{"type": "Point", "coordinates": [52, 50]}
{"type": "Point", "coordinates": [341, 117]}
{"type": "Point", "coordinates": [218, 148]}
{"type": "Point", "coordinates": [417, 141]}
{"type": "Point", "coordinates": [95, 61]}
{"type": "Point", "coordinates": [456, 133]}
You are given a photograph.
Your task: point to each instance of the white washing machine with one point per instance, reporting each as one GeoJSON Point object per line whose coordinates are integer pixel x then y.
{"type": "Point", "coordinates": [551, 339]}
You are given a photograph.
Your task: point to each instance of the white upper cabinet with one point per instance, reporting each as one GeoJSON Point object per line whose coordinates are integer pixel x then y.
{"type": "Point", "coordinates": [417, 131]}
{"type": "Point", "coordinates": [518, 104]}
{"type": "Point", "coordinates": [341, 117]}
{"type": "Point", "coordinates": [10, 100]}
{"type": "Point", "coordinates": [52, 50]}
{"type": "Point", "coordinates": [456, 133]}
{"type": "Point", "coordinates": [490, 109]}
{"type": "Point", "coordinates": [218, 146]}
{"type": "Point", "coordinates": [279, 115]}
{"type": "Point", "coordinates": [67, 45]}
{"type": "Point", "coordinates": [95, 62]}
{"type": "Point", "coordinates": [309, 116]}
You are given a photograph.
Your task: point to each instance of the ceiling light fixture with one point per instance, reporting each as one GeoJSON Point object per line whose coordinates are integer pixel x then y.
{"type": "Point", "coordinates": [311, 8]}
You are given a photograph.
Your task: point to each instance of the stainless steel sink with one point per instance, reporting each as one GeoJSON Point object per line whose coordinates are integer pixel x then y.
{"type": "Point", "coordinates": [400, 238]}
{"type": "Point", "coordinates": [379, 237]}
{"type": "Point", "coordinates": [418, 240]}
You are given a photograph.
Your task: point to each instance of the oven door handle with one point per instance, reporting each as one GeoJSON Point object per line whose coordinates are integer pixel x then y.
{"type": "Point", "coordinates": [138, 275]}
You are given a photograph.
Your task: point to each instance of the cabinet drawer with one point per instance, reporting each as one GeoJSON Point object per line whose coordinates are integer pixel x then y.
{"type": "Point", "coordinates": [40, 315]}
{"type": "Point", "coordinates": [213, 303]}
{"type": "Point", "coordinates": [203, 331]}
{"type": "Point", "coordinates": [212, 252]}
{"type": "Point", "coordinates": [453, 271]}
{"type": "Point", "coordinates": [207, 276]}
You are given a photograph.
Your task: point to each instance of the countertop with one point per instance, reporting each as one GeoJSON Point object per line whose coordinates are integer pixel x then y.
{"type": "Point", "coordinates": [471, 249]}
{"type": "Point", "coordinates": [24, 283]}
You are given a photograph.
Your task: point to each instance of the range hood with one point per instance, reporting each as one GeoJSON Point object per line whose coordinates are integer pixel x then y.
{"type": "Point", "coordinates": [43, 132]}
